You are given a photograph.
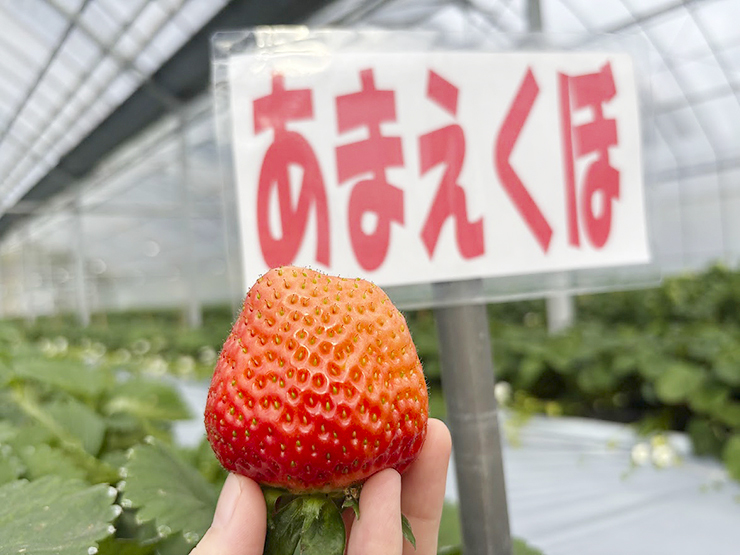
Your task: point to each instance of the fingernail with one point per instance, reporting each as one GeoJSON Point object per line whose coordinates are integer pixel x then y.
{"type": "Point", "coordinates": [227, 502]}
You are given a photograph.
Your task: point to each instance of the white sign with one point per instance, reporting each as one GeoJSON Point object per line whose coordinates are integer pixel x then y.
{"type": "Point", "coordinates": [422, 167]}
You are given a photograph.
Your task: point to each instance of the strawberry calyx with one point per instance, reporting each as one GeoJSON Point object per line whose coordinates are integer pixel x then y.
{"type": "Point", "coordinates": [311, 523]}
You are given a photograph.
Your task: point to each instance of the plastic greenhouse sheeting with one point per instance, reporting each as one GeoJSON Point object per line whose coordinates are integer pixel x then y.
{"type": "Point", "coordinates": [576, 487]}
{"type": "Point", "coordinates": [119, 237]}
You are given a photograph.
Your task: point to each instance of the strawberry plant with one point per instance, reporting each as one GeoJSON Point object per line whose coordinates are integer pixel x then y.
{"type": "Point", "coordinates": [666, 358]}
{"type": "Point", "coordinates": [87, 461]}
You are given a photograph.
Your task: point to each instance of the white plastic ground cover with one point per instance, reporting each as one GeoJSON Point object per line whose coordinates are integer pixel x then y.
{"type": "Point", "coordinates": [573, 489]}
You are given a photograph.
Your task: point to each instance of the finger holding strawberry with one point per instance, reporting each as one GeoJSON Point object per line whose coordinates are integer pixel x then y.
{"type": "Point", "coordinates": [239, 524]}
{"type": "Point", "coordinates": [317, 388]}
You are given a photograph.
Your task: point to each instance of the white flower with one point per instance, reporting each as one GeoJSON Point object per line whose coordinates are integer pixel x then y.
{"type": "Point", "coordinates": [155, 365]}
{"type": "Point", "coordinates": [61, 344]}
{"type": "Point", "coordinates": [122, 356]}
{"type": "Point", "coordinates": [46, 347]}
{"type": "Point", "coordinates": [664, 455]}
{"type": "Point", "coordinates": [141, 346]}
{"type": "Point", "coordinates": [98, 350]}
{"type": "Point", "coordinates": [185, 365]}
{"type": "Point", "coordinates": [502, 392]}
{"type": "Point", "coordinates": [207, 355]}
{"type": "Point", "coordinates": [640, 454]}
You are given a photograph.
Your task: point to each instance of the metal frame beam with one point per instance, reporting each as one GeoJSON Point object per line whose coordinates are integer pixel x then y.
{"type": "Point", "coordinates": [184, 76]}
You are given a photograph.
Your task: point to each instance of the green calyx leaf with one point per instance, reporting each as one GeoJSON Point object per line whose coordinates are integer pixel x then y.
{"type": "Point", "coordinates": [307, 524]}
{"type": "Point", "coordinates": [408, 534]}
{"type": "Point", "coordinates": [352, 499]}
{"type": "Point", "coordinates": [352, 503]}
{"type": "Point", "coordinates": [312, 524]}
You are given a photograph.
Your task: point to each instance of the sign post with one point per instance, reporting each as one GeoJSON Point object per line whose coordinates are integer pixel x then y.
{"type": "Point", "coordinates": [468, 382]}
{"type": "Point", "coordinates": [446, 172]}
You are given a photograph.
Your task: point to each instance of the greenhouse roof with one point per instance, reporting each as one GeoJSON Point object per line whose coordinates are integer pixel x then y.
{"type": "Point", "coordinates": [82, 76]}
{"type": "Point", "coordinates": [93, 93]}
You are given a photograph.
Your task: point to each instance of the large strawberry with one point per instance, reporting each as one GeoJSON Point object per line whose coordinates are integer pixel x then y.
{"type": "Point", "coordinates": [317, 387]}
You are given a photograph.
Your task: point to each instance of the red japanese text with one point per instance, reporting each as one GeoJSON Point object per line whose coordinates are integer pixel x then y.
{"type": "Point", "coordinates": [287, 149]}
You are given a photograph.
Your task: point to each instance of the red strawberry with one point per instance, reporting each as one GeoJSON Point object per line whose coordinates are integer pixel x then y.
{"type": "Point", "coordinates": [318, 387]}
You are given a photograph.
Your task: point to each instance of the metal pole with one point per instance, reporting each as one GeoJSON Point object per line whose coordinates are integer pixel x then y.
{"type": "Point", "coordinates": [534, 16]}
{"type": "Point", "coordinates": [48, 284]}
{"type": "Point", "coordinates": [560, 312]}
{"type": "Point", "coordinates": [83, 306]}
{"type": "Point", "coordinates": [29, 292]}
{"type": "Point", "coordinates": [4, 283]}
{"type": "Point", "coordinates": [193, 311]}
{"type": "Point", "coordinates": [559, 306]}
{"type": "Point", "coordinates": [472, 415]}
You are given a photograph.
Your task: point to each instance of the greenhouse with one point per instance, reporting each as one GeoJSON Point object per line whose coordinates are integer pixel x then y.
{"type": "Point", "coordinates": [123, 268]}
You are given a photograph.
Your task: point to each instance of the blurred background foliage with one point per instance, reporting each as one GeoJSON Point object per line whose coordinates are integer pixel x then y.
{"type": "Point", "coordinates": [666, 358]}
{"type": "Point", "coordinates": [97, 405]}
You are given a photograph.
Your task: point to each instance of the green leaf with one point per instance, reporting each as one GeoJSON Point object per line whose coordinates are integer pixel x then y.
{"type": "Point", "coordinates": [80, 421]}
{"type": "Point", "coordinates": [29, 433]}
{"type": "Point", "coordinates": [596, 379]}
{"type": "Point", "coordinates": [520, 547]}
{"type": "Point", "coordinates": [437, 406]}
{"type": "Point", "coordinates": [53, 516]}
{"type": "Point", "coordinates": [731, 456]}
{"type": "Point", "coordinates": [651, 365]}
{"type": "Point", "coordinates": [729, 414]}
{"type": "Point", "coordinates": [119, 546]}
{"type": "Point", "coordinates": [624, 364]}
{"type": "Point", "coordinates": [408, 533]}
{"type": "Point", "coordinates": [727, 368]}
{"type": "Point", "coordinates": [95, 470]}
{"type": "Point", "coordinates": [176, 544]}
{"type": "Point", "coordinates": [706, 438]}
{"type": "Point", "coordinates": [284, 529]}
{"type": "Point", "coordinates": [709, 398]}
{"type": "Point", "coordinates": [44, 460]}
{"type": "Point", "coordinates": [272, 496]}
{"type": "Point", "coordinates": [144, 544]}
{"type": "Point", "coordinates": [449, 526]}
{"type": "Point", "coordinates": [148, 399]}
{"type": "Point", "coordinates": [123, 431]}
{"type": "Point", "coordinates": [11, 466]}
{"type": "Point", "coordinates": [352, 503]}
{"type": "Point", "coordinates": [678, 382]}
{"type": "Point", "coordinates": [72, 377]}
{"type": "Point", "coordinates": [203, 458]}
{"type": "Point", "coordinates": [530, 371]}
{"type": "Point", "coordinates": [325, 534]}
{"type": "Point", "coordinates": [169, 491]}
{"type": "Point", "coordinates": [8, 431]}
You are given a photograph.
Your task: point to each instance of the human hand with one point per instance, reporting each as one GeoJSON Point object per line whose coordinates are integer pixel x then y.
{"type": "Point", "coordinates": [239, 523]}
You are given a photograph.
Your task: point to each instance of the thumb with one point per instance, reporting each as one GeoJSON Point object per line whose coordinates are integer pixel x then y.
{"type": "Point", "coordinates": [239, 522]}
